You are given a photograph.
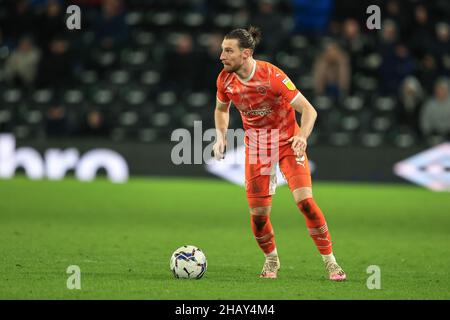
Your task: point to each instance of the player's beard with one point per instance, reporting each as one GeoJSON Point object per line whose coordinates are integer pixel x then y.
{"type": "Point", "coordinates": [232, 69]}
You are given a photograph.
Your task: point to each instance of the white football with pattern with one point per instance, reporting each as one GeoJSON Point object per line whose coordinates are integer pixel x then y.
{"type": "Point", "coordinates": [188, 262]}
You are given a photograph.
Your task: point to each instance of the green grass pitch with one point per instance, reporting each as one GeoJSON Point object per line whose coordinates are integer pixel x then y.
{"type": "Point", "coordinates": [122, 236]}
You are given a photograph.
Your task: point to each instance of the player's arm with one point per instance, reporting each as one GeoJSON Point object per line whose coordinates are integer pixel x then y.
{"type": "Point", "coordinates": [221, 119]}
{"type": "Point", "coordinates": [308, 118]}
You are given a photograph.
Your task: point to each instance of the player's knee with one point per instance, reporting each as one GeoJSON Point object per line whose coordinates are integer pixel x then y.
{"type": "Point", "coordinates": [260, 211]}
{"type": "Point", "coordinates": [301, 194]}
{"type": "Point", "coordinates": [308, 208]}
{"type": "Point", "coordinates": [259, 222]}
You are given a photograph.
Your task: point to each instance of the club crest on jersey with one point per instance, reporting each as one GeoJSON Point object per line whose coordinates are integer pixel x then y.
{"type": "Point", "coordinates": [289, 84]}
{"type": "Point", "coordinates": [261, 90]}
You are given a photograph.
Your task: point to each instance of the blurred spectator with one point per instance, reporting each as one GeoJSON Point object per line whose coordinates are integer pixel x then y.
{"type": "Point", "coordinates": [19, 20]}
{"type": "Point", "coordinates": [272, 25]}
{"type": "Point", "coordinates": [183, 65]}
{"type": "Point", "coordinates": [393, 11]}
{"type": "Point", "coordinates": [55, 69]}
{"type": "Point", "coordinates": [421, 35]}
{"type": "Point", "coordinates": [410, 100]}
{"type": "Point", "coordinates": [388, 37]}
{"type": "Point", "coordinates": [428, 72]}
{"type": "Point", "coordinates": [21, 66]}
{"type": "Point", "coordinates": [435, 116]}
{"type": "Point", "coordinates": [241, 17]}
{"type": "Point", "coordinates": [110, 28]}
{"type": "Point", "coordinates": [395, 67]}
{"type": "Point", "coordinates": [56, 121]}
{"type": "Point", "coordinates": [94, 124]}
{"type": "Point", "coordinates": [356, 44]}
{"type": "Point", "coordinates": [442, 47]}
{"type": "Point", "coordinates": [51, 23]}
{"type": "Point", "coordinates": [332, 72]}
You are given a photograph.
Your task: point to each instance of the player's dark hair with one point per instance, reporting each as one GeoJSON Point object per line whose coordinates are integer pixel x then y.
{"type": "Point", "coordinates": [247, 39]}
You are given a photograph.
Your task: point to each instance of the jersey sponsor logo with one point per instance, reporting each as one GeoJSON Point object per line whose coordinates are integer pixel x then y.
{"type": "Point", "coordinates": [257, 112]}
{"type": "Point", "coordinates": [289, 84]}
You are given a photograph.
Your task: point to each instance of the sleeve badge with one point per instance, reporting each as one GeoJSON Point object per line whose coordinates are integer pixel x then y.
{"type": "Point", "coordinates": [289, 84]}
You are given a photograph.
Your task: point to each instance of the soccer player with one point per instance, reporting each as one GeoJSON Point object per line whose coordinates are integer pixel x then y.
{"type": "Point", "coordinates": [267, 100]}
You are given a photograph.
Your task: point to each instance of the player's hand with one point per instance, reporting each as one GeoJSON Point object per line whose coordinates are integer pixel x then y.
{"type": "Point", "coordinates": [298, 145]}
{"type": "Point", "coordinates": [219, 149]}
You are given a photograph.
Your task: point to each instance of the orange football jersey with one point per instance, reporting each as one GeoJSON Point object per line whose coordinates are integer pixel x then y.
{"type": "Point", "coordinates": [263, 99]}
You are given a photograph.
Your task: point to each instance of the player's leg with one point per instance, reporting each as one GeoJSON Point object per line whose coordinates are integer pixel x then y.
{"type": "Point", "coordinates": [298, 177]}
{"type": "Point", "coordinates": [264, 235]}
{"type": "Point", "coordinates": [318, 230]}
{"type": "Point", "coordinates": [259, 188]}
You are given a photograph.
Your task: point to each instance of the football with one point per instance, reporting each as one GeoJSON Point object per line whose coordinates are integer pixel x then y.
{"type": "Point", "coordinates": [188, 262]}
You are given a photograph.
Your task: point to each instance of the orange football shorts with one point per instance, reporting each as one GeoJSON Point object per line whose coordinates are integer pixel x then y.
{"type": "Point", "coordinates": [260, 173]}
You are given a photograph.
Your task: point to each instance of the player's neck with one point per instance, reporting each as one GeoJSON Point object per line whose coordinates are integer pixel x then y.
{"type": "Point", "coordinates": [247, 70]}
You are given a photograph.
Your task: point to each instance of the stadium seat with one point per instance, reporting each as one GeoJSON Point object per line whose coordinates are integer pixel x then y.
{"type": "Point", "coordinates": [373, 61]}
{"type": "Point", "coordinates": [161, 19]}
{"type": "Point", "coordinates": [404, 140]}
{"type": "Point", "coordinates": [134, 18]}
{"type": "Point", "coordinates": [288, 61]}
{"type": "Point", "coordinates": [341, 139]}
{"type": "Point", "coordinates": [381, 123]}
{"type": "Point", "coordinates": [42, 97]}
{"type": "Point", "coordinates": [134, 97]}
{"type": "Point", "coordinates": [12, 96]}
{"type": "Point", "coordinates": [198, 100]}
{"type": "Point", "coordinates": [353, 103]}
{"type": "Point", "coordinates": [150, 78]}
{"type": "Point", "coordinates": [189, 119]}
{"type": "Point", "coordinates": [134, 58]}
{"type": "Point", "coordinates": [365, 83]}
{"type": "Point", "coordinates": [223, 20]}
{"type": "Point", "coordinates": [193, 19]}
{"type": "Point", "coordinates": [161, 119]}
{"type": "Point", "coordinates": [5, 117]}
{"type": "Point", "coordinates": [350, 123]}
{"type": "Point", "coordinates": [128, 118]}
{"type": "Point", "coordinates": [322, 103]}
{"type": "Point", "coordinates": [118, 134]}
{"type": "Point", "coordinates": [119, 77]}
{"type": "Point", "coordinates": [386, 104]}
{"type": "Point", "coordinates": [102, 96]}
{"type": "Point", "coordinates": [22, 131]}
{"type": "Point", "coordinates": [89, 77]}
{"type": "Point", "coordinates": [147, 135]}
{"type": "Point", "coordinates": [34, 117]}
{"type": "Point", "coordinates": [372, 139]}
{"type": "Point", "coordinates": [73, 97]}
{"type": "Point", "coordinates": [143, 38]}
{"type": "Point", "coordinates": [167, 98]}
{"type": "Point", "coordinates": [299, 42]}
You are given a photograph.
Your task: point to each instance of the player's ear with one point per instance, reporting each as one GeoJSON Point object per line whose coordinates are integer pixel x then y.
{"type": "Point", "coordinates": [247, 52]}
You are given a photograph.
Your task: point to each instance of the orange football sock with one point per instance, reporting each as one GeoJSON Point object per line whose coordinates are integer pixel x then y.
{"type": "Point", "coordinates": [262, 229]}
{"type": "Point", "coordinates": [317, 226]}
